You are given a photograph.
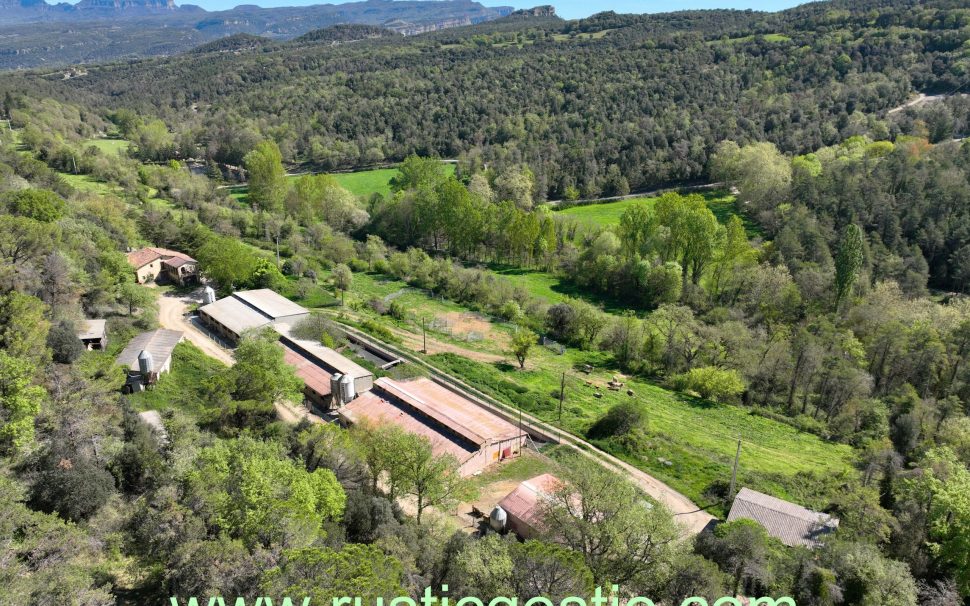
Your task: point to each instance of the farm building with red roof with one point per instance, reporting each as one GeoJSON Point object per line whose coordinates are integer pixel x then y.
{"type": "Point", "coordinates": [152, 263]}
{"type": "Point", "coordinates": [453, 424]}
{"type": "Point", "coordinates": [523, 506]}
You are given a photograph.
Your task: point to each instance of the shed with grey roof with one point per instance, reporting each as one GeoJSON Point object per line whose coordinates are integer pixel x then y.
{"type": "Point", "coordinates": [93, 334]}
{"type": "Point", "coordinates": [148, 356]}
{"type": "Point", "coordinates": [246, 310]}
{"type": "Point", "coordinates": [791, 524]}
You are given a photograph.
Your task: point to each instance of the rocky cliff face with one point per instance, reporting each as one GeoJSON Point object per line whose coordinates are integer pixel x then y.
{"type": "Point", "coordinates": [538, 11]}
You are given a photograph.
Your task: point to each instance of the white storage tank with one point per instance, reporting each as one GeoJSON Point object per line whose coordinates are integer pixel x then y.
{"type": "Point", "coordinates": [498, 519]}
{"type": "Point", "coordinates": [208, 295]}
{"type": "Point", "coordinates": [347, 388]}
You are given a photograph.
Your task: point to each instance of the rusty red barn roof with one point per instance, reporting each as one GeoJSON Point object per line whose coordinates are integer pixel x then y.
{"type": "Point", "coordinates": [524, 502]}
{"type": "Point", "coordinates": [453, 424]}
{"type": "Point", "coordinates": [314, 376]}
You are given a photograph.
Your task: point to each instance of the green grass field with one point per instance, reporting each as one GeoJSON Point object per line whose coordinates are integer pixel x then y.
{"type": "Point", "coordinates": [552, 288]}
{"type": "Point", "coordinates": [767, 37]}
{"type": "Point", "coordinates": [368, 182]}
{"type": "Point", "coordinates": [720, 202]}
{"type": "Point", "coordinates": [88, 184]}
{"type": "Point", "coordinates": [698, 438]}
{"type": "Point", "coordinates": [581, 36]}
{"type": "Point", "coordinates": [109, 147]}
{"type": "Point", "coordinates": [316, 297]}
{"type": "Point", "coordinates": [183, 388]}
{"type": "Point", "coordinates": [364, 183]}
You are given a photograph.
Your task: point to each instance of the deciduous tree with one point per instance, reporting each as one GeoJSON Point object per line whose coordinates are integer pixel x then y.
{"type": "Point", "coordinates": [522, 341]}
{"type": "Point", "coordinates": [19, 401]}
{"type": "Point", "coordinates": [267, 178]}
{"type": "Point", "coordinates": [432, 479]}
{"type": "Point", "coordinates": [622, 538]}
{"type": "Point", "coordinates": [260, 372]}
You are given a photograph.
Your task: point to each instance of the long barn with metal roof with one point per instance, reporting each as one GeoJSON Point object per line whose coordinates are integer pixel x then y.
{"type": "Point", "coordinates": [453, 424]}
{"type": "Point", "coordinates": [320, 368]}
{"type": "Point", "coordinates": [246, 310]}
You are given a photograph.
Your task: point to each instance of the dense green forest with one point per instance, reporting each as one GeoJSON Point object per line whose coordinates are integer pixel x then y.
{"type": "Point", "coordinates": [826, 296]}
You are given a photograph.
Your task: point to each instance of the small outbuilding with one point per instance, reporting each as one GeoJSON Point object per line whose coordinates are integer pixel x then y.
{"type": "Point", "coordinates": [148, 356]}
{"type": "Point", "coordinates": [153, 264]}
{"type": "Point", "coordinates": [93, 334]}
{"type": "Point", "coordinates": [453, 424]}
{"type": "Point", "coordinates": [791, 524]}
{"type": "Point", "coordinates": [522, 508]}
{"type": "Point", "coordinates": [246, 310]}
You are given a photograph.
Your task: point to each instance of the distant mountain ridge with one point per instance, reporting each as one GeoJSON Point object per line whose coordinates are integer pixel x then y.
{"type": "Point", "coordinates": [28, 11]}
{"type": "Point", "coordinates": [34, 33]}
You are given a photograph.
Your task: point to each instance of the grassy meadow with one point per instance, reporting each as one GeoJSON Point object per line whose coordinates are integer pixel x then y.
{"type": "Point", "coordinates": [363, 183]}
{"type": "Point", "coordinates": [89, 185]}
{"type": "Point", "coordinates": [108, 147]}
{"type": "Point", "coordinates": [689, 443]}
{"type": "Point", "coordinates": [605, 214]}
{"type": "Point", "coordinates": [185, 387]}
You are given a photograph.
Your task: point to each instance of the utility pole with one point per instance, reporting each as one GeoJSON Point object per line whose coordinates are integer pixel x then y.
{"type": "Point", "coordinates": [424, 334]}
{"type": "Point", "coordinates": [734, 472]}
{"type": "Point", "coordinates": [562, 396]}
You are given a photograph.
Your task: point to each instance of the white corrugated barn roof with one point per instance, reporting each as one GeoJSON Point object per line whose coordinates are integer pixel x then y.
{"type": "Point", "coordinates": [249, 309]}
{"type": "Point", "coordinates": [270, 304]}
{"type": "Point", "coordinates": [235, 315]}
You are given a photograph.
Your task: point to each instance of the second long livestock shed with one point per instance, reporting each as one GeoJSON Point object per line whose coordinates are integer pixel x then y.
{"type": "Point", "coordinates": [453, 424]}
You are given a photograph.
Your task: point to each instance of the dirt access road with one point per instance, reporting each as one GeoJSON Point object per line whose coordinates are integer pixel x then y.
{"type": "Point", "coordinates": [921, 99]}
{"type": "Point", "coordinates": [172, 314]}
{"type": "Point", "coordinates": [172, 310]}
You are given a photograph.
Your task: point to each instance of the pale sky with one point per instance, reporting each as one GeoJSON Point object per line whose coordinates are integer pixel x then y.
{"type": "Point", "coordinates": [568, 9]}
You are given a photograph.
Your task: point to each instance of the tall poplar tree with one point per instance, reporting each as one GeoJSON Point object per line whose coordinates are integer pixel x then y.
{"type": "Point", "coordinates": [267, 179]}
{"type": "Point", "coordinates": [848, 262]}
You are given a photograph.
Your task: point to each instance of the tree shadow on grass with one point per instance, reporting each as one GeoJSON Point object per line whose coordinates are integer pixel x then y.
{"type": "Point", "coordinates": [694, 401]}
{"type": "Point", "coordinates": [566, 287]}
{"type": "Point", "coordinates": [505, 366]}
